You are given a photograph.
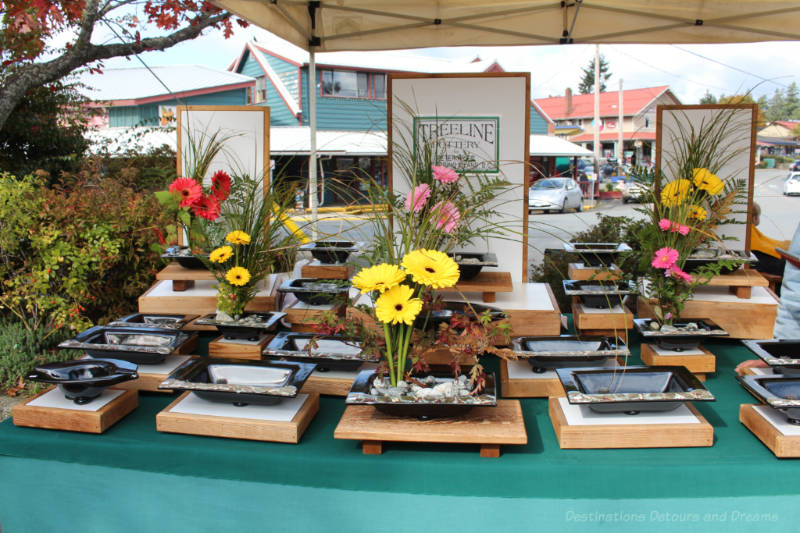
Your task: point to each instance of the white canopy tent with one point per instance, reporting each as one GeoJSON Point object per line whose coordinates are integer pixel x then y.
{"type": "Point", "coordinates": [545, 145]}
{"type": "Point", "coordinates": [338, 25]}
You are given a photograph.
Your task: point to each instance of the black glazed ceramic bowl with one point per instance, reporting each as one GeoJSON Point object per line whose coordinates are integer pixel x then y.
{"type": "Point", "coordinates": [470, 264]}
{"type": "Point", "coordinates": [782, 355]}
{"type": "Point", "coordinates": [597, 253]}
{"type": "Point", "coordinates": [249, 327]}
{"type": "Point", "coordinates": [330, 353]}
{"type": "Point", "coordinates": [679, 341]}
{"type": "Point", "coordinates": [598, 294]}
{"type": "Point", "coordinates": [331, 252]}
{"type": "Point", "coordinates": [564, 351]}
{"type": "Point", "coordinates": [782, 393]}
{"type": "Point", "coordinates": [83, 380]}
{"type": "Point", "coordinates": [143, 346]}
{"type": "Point", "coordinates": [632, 389]}
{"type": "Point", "coordinates": [154, 320]}
{"type": "Point", "coordinates": [316, 291]}
{"type": "Point", "coordinates": [360, 394]}
{"type": "Point", "coordinates": [450, 308]}
{"type": "Point", "coordinates": [184, 257]}
{"type": "Point", "coordinates": [707, 256]}
{"type": "Point", "coordinates": [238, 381]}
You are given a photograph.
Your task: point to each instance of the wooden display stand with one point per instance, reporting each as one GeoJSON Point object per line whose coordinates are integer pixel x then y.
{"type": "Point", "coordinates": [183, 278]}
{"type": "Point", "coordinates": [544, 385]}
{"type": "Point", "coordinates": [489, 427]}
{"type": "Point", "coordinates": [248, 422]}
{"type": "Point", "coordinates": [304, 317]}
{"type": "Point", "coordinates": [740, 282]}
{"type": "Point", "coordinates": [581, 272]}
{"type": "Point", "coordinates": [619, 432]}
{"type": "Point", "coordinates": [532, 309]}
{"type": "Point", "coordinates": [238, 349]}
{"type": "Point", "coordinates": [486, 283]}
{"type": "Point", "coordinates": [608, 322]}
{"type": "Point", "coordinates": [333, 383]}
{"type": "Point", "coordinates": [742, 318]}
{"type": "Point", "coordinates": [63, 414]}
{"type": "Point", "coordinates": [151, 376]}
{"type": "Point", "coordinates": [202, 298]}
{"type": "Point", "coordinates": [782, 438]}
{"type": "Point", "coordinates": [699, 364]}
{"type": "Point", "coordinates": [318, 270]}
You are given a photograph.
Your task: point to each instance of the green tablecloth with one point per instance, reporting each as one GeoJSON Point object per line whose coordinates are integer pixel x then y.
{"type": "Point", "coordinates": [323, 479]}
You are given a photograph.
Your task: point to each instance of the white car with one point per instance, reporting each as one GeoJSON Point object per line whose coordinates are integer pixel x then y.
{"type": "Point", "coordinates": [555, 194]}
{"type": "Point", "coordinates": [792, 184]}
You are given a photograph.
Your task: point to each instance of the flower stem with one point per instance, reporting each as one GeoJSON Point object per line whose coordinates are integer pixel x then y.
{"type": "Point", "coordinates": [388, 335]}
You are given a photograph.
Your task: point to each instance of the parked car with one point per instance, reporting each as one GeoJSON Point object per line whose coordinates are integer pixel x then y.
{"type": "Point", "coordinates": [791, 186]}
{"type": "Point", "coordinates": [555, 194]}
{"type": "Point", "coordinates": [634, 192]}
{"type": "Point", "coordinates": [795, 167]}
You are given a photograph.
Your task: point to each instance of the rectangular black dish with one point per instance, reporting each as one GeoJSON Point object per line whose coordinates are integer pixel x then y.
{"type": "Point", "coordinates": [332, 252]}
{"type": "Point", "coordinates": [597, 253]}
{"type": "Point", "coordinates": [599, 294]}
{"type": "Point", "coordinates": [361, 393]}
{"type": "Point", "coordinates": [316, 291]}
{"type": "Point", "coordinates": [154, 320]}
{"type": "Point", "coordinates": [782, 393]}
{"type": "Point", "coordinates": [248, 327]}
{"type": "Point", "coordinates": [331, 352]}
{"type": "Point", "coordinates": [782, 355]}
{"type": "Point", "coordinates": [563, 351]}
{"type": "Point", "coordinates": [184, 257]}
{"type": "Point", "coordinates": [83, 380]}
{"type": "Point", "coordinates": [632, 389]}
{"type": "Point", "coordinates": [430, 319]}
{"type": "Point", "coordinates": [143, 346]}
{"type": "Point", "coordinates": [707, 256]}
{"type": "Point", "coordinates": [470, 264]}
{"type": "Point", "coordinates": [679, 340]}
{"type": "Point", "coordinates": [238, 381]}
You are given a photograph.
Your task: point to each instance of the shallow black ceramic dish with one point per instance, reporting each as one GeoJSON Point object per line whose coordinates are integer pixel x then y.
{"type": "Point", "coordinates": [138, 345]}
{"type": "Point", "coordinates": [470, 264]}
{"type": "Point", "coordinates": [782, 393]}
{"type": "Point", "coordinates": [83, 380]}
{"type": "Point", "coordinates": [397, 406]}
{"type": "Point", "coordinates": [598, 294]}
{"type": "Point", "coordinates": [782, 355]}
{"type": "Point", "coordinates": [564, 351]}
{"type": "Point", "coordinates": [154, 320]}
{"type": "Point", "coordinates": [597, 253]}
{"type": "Point", "coordinates": [184, 258]}
{"type": "Point", "coordinates": [239, 382]}
{"type": "Point", "coordinates": [331, 352]}
{"type": "Point", "coordinates": [700, 258]}
{"type": "Point", "coordinates": [632, 389]}
{"type": "Point", "coordinates": [451, 308]}
{"type": "Point", "coordinates": [249, 328]}
{"type": "Point", "coordinates": [679, 341]}
{"type": "Point", "coordinates": [332, 252]}
{"type": "Point", "coordinates": [316, 291]}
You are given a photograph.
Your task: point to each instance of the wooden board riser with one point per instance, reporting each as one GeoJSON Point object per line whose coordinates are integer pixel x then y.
{"type": "Point", "coordinates": [600, 321]}
{"type": "Point", "coordinates": [528, 388]}
{"type": "Point", "coordinates": [781, 445]}
{"type": "Point", "coordinates": [697, 364]}
{"type": "Point", "coordinates": [225, 349]}
{"type": "Point", "coordinates": [327, 386]}
{"type": "Point", "coordinates": [326, 271]}
{"type": "Point", "coordinates": [577, 272]}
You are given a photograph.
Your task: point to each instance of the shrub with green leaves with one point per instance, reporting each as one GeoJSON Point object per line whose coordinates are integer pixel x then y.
{"type": "Point", "coordinates": [22, 351]}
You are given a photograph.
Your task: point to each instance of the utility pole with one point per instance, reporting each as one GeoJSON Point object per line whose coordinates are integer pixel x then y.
{"type": "Point", "coordinates": [620, 140]}
{"type": "Point", "coordinates": [597, 111]}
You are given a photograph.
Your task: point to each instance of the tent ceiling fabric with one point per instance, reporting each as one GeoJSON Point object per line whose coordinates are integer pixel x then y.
{"type": "Point", "coordinates": [401, 24]}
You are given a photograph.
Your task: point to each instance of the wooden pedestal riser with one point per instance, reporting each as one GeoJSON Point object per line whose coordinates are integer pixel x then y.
{"type": "Point", "coordinates": [696, 364]}
{"type": "Point", "coordinates": [781, 445]}
{"type": "Point", "coordinates": [75, 420]}
{"type": "Point", "coordinates": [579, 272]}
{"type": "Point", "coordinates": [219, 347]}
{"type": "Point", "coordinates": [317, 270]}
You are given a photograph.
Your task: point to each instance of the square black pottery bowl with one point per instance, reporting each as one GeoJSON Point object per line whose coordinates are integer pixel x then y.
{"type": "Point", "coordinates": [184, 257]}
{"type": "Point", "coordinates": [332, 252]}
{"type": "Point", "coordinates": [782, 393]}
{"type": "Point", "coordinates": [470, 264]}
{"type": "Point", "coordinates": [782, 355]}
{"type": "Point", "coordinates": [330, 353]}
{"type": "Point", "coordinates": [597, 253]}
{"type": "Point", "coordinates": [317, 291]}
{"type": "Point", "coordinates": [83, 380]}
{"type": "Point", "coordinates": [545, 353]}
{"type": "Point", "coordinates": [679, 341]}
{"type": "Point", "coordinates": [154, 320]}
{"type": "Point", "coordinates": [598, 294]}
{"type": "Point", "coordinates": [430, 320]}
{"type": "Point", "coordinates": [143, 346]}
{"type": "Point", "coordinates": [248, 327]}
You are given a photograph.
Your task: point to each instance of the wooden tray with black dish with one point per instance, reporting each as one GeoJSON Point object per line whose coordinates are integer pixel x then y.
{"type": "Point", "coordinates": [776, 422]}
{"type": "Point", "coordinates": [242, 337]}
{"type": "Point", "coordinates": [184, 268]}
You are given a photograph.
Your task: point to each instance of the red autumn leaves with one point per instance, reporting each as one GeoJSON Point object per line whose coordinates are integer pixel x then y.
{"type": "Point", "coordinates": [203, 205]}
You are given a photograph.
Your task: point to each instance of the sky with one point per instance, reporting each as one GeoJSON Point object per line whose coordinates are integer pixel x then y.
{"type": "Point", "coordinates": [689, 70]}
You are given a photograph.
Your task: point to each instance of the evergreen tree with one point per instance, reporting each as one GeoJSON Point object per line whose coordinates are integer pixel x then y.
{"type": "Point", "coordinates": [708, 98]}
{"type": "Point", "coordinates": [587, 80]}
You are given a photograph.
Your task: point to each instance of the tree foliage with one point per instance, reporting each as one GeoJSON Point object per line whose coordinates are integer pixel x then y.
{"type": "Point", "coordinates": [586, 85]}
{"type": "Point", "coordinates": [784, 104]}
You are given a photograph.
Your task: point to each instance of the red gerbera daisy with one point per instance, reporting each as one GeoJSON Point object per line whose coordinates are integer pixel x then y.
{"type": "Point", "coordinates": [220, 185]}
{"type": "Point", "coordinates": [190, 190]}
{"type": "Point", "coordinates": [207, 207]}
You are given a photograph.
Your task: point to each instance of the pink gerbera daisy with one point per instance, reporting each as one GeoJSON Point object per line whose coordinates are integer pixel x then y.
{"type": "Point", "coordinates": [665, 257]}
{"type": "Point", "coordinates": [189, 190]}
{"type": "Point", "coordinates": [444, 174]}
{"type": "Point", "coordinates": [676, 271]}
{"type": "Point", "coordinates": [417, 197]}
{"type": "Point", "coordinates": [447, 216]}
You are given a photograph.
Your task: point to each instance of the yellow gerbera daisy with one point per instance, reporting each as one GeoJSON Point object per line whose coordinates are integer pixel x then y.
{"type": "Point", "coordinates": [432, 268]}
{"type": "Point", "coordinates": [698, 212]}
{"type": "Point", "coordinates": [378, 278]}
{"type": "Point", "coordinates": [705, 180]}
{"type": "Point", "coordinates": [221, 254]}
{"type": "Point", "coordinates": [238, 276]}
{"type": "Point", "coordinates": [674, 192]}
{"type": "Point", "coordinates": [238, 237]}
{"type": "Point", "coordinates": [396, 305]}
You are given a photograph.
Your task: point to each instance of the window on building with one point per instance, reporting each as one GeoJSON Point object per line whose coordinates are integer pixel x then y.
{"type": "Point", "coordinates": [261, 90]}
{"type": "Point", "coordinates": [646, 122]}
{"type": "Point", "coordinates": [353, 84]}
{"type": "Point", "coordinates": [378, 86]}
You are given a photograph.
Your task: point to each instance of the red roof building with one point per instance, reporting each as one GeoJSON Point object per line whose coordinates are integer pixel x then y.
{"type": "Point", "coordinates": [573, 116]}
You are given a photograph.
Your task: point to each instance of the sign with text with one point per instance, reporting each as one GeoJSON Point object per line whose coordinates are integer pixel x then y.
{"type": "Point", "coordinates": [463, 143]}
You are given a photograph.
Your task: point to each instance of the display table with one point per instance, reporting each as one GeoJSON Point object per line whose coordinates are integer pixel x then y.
{"type": "Point", "coordinates": [133, 478]}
